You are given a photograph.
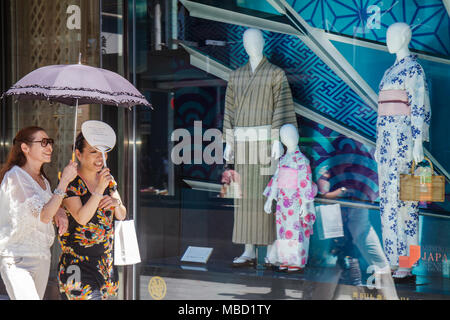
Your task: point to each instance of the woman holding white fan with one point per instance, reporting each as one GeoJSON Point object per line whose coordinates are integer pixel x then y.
{"type": "Point", "coordinates": [86, 268]}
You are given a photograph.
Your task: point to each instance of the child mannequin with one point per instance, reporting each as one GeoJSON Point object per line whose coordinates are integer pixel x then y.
{"type": "Point", "coordinates": [294, 191]}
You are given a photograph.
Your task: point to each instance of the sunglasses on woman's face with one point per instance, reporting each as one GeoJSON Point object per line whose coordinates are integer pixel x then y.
{"type": "Point", "coordinates": [45, 141]}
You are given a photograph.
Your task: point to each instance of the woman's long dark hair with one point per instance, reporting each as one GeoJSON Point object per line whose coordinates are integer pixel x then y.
{"type": "Point", "coordinates": [16, 157]}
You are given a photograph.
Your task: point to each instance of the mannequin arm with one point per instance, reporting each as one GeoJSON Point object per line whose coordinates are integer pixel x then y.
{"type": "Point", "coordinates": [228, 153]}
{"type": "Point", "coordinates": [268, 206]}
{"type": "Point", "coordinates": [420, 113]}
{"type": "Point", "coordinates": [228, 121]}
{"type": "Point", "coordinates": [308, 213]}
{"type": "Point", "coordinates": [271, 191]}
{"type": "Point", "coordinates": [283, 108]}
{"type": "Point", "coordinates": [305, 208]}
{"type": "Point", "coordinates": [418, 152]}
{"type": "Point", "coordinates": [277, 149]}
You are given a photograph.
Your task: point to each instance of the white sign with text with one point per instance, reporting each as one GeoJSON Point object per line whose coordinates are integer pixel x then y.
{"type": "Point", "coordinates": [197, 254]}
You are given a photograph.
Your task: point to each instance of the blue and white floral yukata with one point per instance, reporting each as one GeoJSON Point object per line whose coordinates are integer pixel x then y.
{"type": "Point", "coordinates": [397, 133]}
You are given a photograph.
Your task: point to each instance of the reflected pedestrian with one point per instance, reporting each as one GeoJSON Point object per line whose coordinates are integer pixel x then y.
{"type": "Point", "coordinates": [363, 235]}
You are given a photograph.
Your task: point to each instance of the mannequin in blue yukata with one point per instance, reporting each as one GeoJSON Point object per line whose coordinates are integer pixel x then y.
{"type": "Point", "coordinates": [403, 121]}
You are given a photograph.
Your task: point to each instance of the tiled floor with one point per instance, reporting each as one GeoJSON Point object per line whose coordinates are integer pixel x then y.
{"type": "Point", "coordinates": [201, 283]}
{"type": "Point", "coordinates": [220, 282]}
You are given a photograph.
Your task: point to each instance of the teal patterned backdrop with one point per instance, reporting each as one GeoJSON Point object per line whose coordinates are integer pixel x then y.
{"type": "Point", "coordinates": [369, 19]}
{"type": "Point", "coordinates": [315, 86]}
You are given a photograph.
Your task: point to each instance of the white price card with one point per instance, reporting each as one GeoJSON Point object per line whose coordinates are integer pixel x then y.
{"type": "Point", "coordinates": [197, 254]}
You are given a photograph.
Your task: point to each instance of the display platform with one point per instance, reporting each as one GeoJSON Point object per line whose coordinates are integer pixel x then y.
{"type": "Point", "coordinates": [217, 280]}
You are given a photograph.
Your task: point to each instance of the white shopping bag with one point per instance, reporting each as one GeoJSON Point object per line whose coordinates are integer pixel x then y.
{"type": "Point", "coordinates": [126, 249]}
{"type": "Point", "coordinates": [330, 221]}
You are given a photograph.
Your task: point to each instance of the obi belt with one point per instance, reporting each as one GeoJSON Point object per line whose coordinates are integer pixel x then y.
{"type": "Point", "coordinates": [393, 103]}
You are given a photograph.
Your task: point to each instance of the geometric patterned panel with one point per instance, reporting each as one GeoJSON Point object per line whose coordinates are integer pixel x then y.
{"type": "Point", "coordinates": [313, 83]}
{"type": "Point", "coordinates": [205, 104]}
{"type": "Point", "coordinates": [349, 163]}
{"type": "Point", "coordinates": [428, 19]}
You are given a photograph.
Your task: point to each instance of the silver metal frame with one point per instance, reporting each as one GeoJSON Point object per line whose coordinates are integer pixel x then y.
{"type": "Point", "coordinates": [134, 180]}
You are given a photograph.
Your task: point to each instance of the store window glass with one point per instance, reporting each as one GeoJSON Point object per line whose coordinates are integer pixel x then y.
{"type": "Point", "coordinates": [191, 202]}
{"type": "Point", "coordinates": [212, 221]}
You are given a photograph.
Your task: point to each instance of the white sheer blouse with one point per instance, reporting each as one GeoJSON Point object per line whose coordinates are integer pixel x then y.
{"type": "Point", "coordinates": [21, 201]}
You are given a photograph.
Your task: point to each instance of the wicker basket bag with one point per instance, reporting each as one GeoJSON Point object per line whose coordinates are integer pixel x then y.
{"type": "Point", "coordinates": [422, 188]}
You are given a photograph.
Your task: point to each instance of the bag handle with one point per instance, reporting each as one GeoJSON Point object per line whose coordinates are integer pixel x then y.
{"type": "Point", "coordinates": [122, 239]}
{"type": "Point", "coordinates": [413, 167]}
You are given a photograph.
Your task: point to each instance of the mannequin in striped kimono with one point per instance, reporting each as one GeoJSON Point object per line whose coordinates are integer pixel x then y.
{"type": "Point", "coordinates": [258, 102]}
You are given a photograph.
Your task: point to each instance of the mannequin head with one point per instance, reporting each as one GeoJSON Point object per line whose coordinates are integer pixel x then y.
{"type": "Point", "coordinates": [398, 37]}
{"type": "Point", "coordinates": [289, 136]}
{"type": "Point", "coordinates": [253, 42]}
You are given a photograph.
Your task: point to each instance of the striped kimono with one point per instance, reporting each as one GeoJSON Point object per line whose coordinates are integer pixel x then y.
{"type": "Point", "coordinates": [257, 104]}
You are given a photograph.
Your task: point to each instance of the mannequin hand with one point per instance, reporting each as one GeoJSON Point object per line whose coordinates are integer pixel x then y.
{"type": "Point", "coordinates": [307, 208]}
{"type": "Point", "coordinates": [418, 152]}
{"type": "Point", "coordinates": [268, 206]}
{"type": "Point", "coordinates": [228, 153]}
{"type": "Point", "coordinates": [277, 149]}
{"type": "Point", "coordinates": [303, 211]}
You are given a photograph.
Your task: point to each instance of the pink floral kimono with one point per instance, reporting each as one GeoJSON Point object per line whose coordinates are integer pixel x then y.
{"type": "Point", "coordinates": [293, 189]}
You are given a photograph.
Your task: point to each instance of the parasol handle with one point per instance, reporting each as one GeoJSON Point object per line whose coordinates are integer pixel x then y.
{"type": "Point", "coordinates": [75, 130]}
{"type": "Point", "coordinates": [104, 160]}
{"type": "Point", "coordinates": [112, 185]}
{"type": "Point", "coordinates": [73, 160]}
{"type": "Point", "coordinates": [74, 133]}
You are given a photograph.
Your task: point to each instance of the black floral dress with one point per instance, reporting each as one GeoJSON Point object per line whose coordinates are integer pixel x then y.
{"type": "Point", "coordinates": [86, 261]}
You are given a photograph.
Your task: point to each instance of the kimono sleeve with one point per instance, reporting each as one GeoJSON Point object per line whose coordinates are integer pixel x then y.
{"type": "Point", "coordinates": [283, 110]}
{"type": "Point", "coordinates": [228, 117]}
{"type": "Point", "coordinates": [271, 191]}
{"type": "Point", "coordinates": [419, 102]}
{"type": "Point", "coordinates": [308, 190]}
{"type": "Point", "coordinates": [306, 187]}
